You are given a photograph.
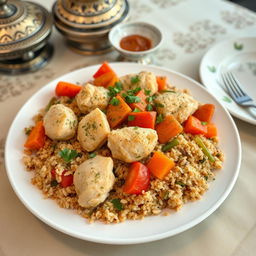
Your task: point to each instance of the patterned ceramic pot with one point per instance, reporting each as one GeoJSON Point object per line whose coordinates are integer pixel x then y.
{"type": "Point", "coordinates": [86, 23]}
{"type": "Point", "coordinates": [25, 28]}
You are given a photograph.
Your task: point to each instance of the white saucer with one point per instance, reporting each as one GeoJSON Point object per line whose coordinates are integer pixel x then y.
{"type": "Point", "coordinates": [239, 56]}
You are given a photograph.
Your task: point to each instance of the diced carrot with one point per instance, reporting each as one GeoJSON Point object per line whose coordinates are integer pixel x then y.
{"type": "Point", "coordinates": [205, 113]}
{"type": "Point", "coordinates": [168, 129]}
{"type": "Point", "coordinates": [142, 119]}
{"type": "Point", "coordinates": [67, 89]}
{"type": "Point", "coordinates": [36, 138]}
{"type": "Point", "coordinates": [142, 104]}
{"type": "Point", "coordinates": [161, 82]}
{"type": "Point", "coordinates": [113, 81]}
{"type": "Point", "coordinates": [160, 165]}
{"type": "Point", "coordinates": [137, 180]}
{"type": "Point", "coordinates": [104, 68]}
{"type": "Point", "coordinates": [194, 126]}
{"type": "Point", "coordinates": [211, 130]}
{"type": "Point", "coordinates": [118, 113]}
{"type": "Point", "coordinates": [105, 79]}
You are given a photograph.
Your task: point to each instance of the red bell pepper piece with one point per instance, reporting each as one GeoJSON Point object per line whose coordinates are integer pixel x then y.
{"type": "Point", "coordinates": [104, 68]}
{"type": "Point", "coordinates": [66, 180]}
{"type": "Point", "coordinates": [142, 119]}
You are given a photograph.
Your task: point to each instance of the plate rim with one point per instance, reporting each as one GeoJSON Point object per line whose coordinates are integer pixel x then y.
{"type": "Point", "coordinates": [204, 82]}
{"type": "Point", "coordinates": [149, 238]}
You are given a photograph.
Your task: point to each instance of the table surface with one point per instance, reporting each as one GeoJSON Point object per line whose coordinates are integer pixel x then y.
{"type": "Point", "coordinates": [189, 27]}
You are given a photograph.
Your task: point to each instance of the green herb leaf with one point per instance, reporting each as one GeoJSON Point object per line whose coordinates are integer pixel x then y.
{"type": "Point", "coordinates": [171, 91]}
{"type": "Point", "coordinates": [134, 91]}
{"type": "Point", "coordinates": [206, 178]}
{"type": "Point", "coordinates": [136, 110]}
{"type": "Point", "coordinates": [149, 107]}
{"type": "Point", "coordinates": [159, 118]}
{"type": "Point", "coordinates": [170, 145]}
{"type": "Point", "coordinates": [54, 183]}
{"type": "Point", "coordinates": [113, 91]}
{"type": "Point", "coordinates": [132, 99]}
{"type": "Point", "coordinates": [27, 131]}
{"type": "Point", "coordinates": [150, 98]}
{"type": "Point", "coordinates": [180, 183]}
{"type": "Point", "coordinates": [68, 154]}
{"type": "Point", "coordinates": [131, 118]}
{"type": "Point", "coordinates": [135, 79]}
{"type": "Point", "coordinates": [92, 155]}
{"type": "Point", "coordinates": [119, 85]}
{"type": "Point", "coordinates": [117, 204]}
{"type": "Point", "coordinates": [147, 92]}
{"type": "Point", "coordinates": [114, 101]}
{"type": "Point", "coordinates": [159, 105]}
{"type": "Point", "coordinates": [204, 123]}
{"type": "Point", "coordinates": [166, 195]}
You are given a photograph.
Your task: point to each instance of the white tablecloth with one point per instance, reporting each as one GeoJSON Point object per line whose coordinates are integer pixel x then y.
{"type": "Point", "coordinates": [189, 27]}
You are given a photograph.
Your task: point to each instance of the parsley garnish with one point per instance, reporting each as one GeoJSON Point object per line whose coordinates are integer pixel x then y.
{"type": "Point", "coordinates": [68, 154]}
{"type": "Point", "coordinates": [27, 131]}
{"type": "Point", "coordinates": [117, 204]}
{"type": "Point", "coordinates": [134, 91]}
{"type": "Point", "coordinates": [149, 107]}
{"type": "Point", "coordinates": [159, 118]}
{"type": "Point", "coordinates": [132, 99]}
{"type": "Point", "coordinates": [54, 183]}
{"type": "Point", "coordinates": [92, 155]}
{"type": "Point", "coordinates": [180, 183]}
{"type": "Point", "coordinates": [136, 110]}
{"type": "Point", "coordinates": [159, 105]}
{"type": "Point", "coordinates": [150, 98]}
{"type": "Point", "coordinates": [131, 118]}
{"type": "Point", "coordinates": [135, 79]}
{"type": "Point", "coordinates": [113, 91]}
{"type": "Point", "coordinates": [147, 92]}
{"type": "Point", "coordinates": [114, 101]}
{"type": "Point", "coordinates": [204, 123]}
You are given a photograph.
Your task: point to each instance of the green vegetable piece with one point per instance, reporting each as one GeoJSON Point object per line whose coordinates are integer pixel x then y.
{"type": "Point", "coordinates": [150, 98]}
{"type": "Point", "coordinates": [113, 91]}
{"type": "Point", "coordinates": [180, 183]}
{"type": "Point", "coordinates": [134, 91]}
{"type": "Point", "coordinates": [27, 131]}
{"type": "Point", "coordinates": [147, 92]}
{"type": "Point", "coordinates": [54, 183]}
{"type": "Point", "coordinates": [205, 150]}
{"type": "Point", "coordinates": [117, 204]}
{"type": "Point", "coordinates": [51, 102]}
{"type": "Point", "coordinates": [68, 154]}
{"type": "Point", "coordinates": [159, 105]}
{"type": "Point", "coordinates": [135, 79]}
{"type": "Point", "coordinates": [171, 91]}
{"type": "Point", "coordinates": [92, 155]}
{"type": "Point", "coordinates": [114, 101]}
{"type": "Point", "coordinates": [136, 110]}
{"type": "Point", "coordinates": [132, 99]}
{"type": "Point", "coordinates": [119, 85]}
{"type": "Point", "coordinates": [204, 123]}
{"type": "Point", "coordinates": [170, 145]}
{"type": "Point", "coordinates": [149, 107]}
{"type": "Point", "coordinates": [131, 118]}
{"type": "Point", "coordinates": [159, 118]}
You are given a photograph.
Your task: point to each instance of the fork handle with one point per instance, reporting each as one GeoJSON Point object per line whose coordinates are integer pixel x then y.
{"type": "Point", "coordinates": [251, 105]}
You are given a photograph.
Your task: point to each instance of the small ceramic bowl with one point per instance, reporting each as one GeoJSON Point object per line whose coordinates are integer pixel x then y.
{"type": "Point", "coordinates": [136, 28]}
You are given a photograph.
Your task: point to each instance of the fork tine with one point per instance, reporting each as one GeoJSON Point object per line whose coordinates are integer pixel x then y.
{"type": "Point", "coordinates": [233, 85]}
{"type": "Point", "coordinates": [228, 86]}
{"type": "Point", "coordinates": [236, 82]}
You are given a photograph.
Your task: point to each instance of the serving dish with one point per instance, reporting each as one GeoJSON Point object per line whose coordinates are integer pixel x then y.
{"type": "Point", "coordinates": [129, 232]}
{"type": "Point", "coordinates": [237, 55]}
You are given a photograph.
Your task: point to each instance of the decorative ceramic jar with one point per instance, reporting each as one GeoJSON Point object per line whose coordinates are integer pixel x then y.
{"type": "Point", "coordinates": [25, 28]}
{"type": "Point", "coordinates": [86, 23]}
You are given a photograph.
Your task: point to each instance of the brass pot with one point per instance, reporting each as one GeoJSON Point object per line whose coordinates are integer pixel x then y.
{"type": "Point", "coordinates": [25, 29]}
{"type": "Point", "coordinates": [86, 23]}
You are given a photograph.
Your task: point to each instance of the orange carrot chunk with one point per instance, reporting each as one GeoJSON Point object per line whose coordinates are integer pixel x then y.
{"type": "Point", "coordinates": [105, 79]}
{"type": "Point", "coordinates": [118, 112]}
{"type": "Point", "coordinates": [142, 104]}
{"type": "Point", "coordinates": [194, 126]}
{"type": "Point", "coordinates": [205, 113]}
{"type": "Point", "coordinates": [67, 89]}
{"type": "Point", "coordinates": [160, 165]}
{"type": "Point", "coordinates": [211, 131]}
{"type": "Point", "coordinates": [168, 129]}
{"type": "Point", "coordinates": [142, 119]}
{"type": "Point", "coordinates": [104, 68]}
{"type": "Point", "coordinates": [161, 82]}
{"type": "Point", "coordinates": [36, 138]}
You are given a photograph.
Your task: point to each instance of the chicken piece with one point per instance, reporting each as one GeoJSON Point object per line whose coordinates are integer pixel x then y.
{"type": "Point", "coordinates": [132, 144]}
{"type": "Point", "coordinates": [93, 180]}
{"type": "Point", "coordinates": [91, 97]}
{"type": "Point", "coordinates": [180, 105]}
{"type": "Point", "coordinates": [144, 80]}
{"type": "Point", "coordinates": [93, 130]}
{"type": "Point", "coordinates": [60, 122]}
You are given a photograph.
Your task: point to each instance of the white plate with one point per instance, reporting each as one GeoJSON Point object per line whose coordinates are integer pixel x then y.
{"type": "Point", "coordinates": [129, 232]}
{"type": "Point", "coordinates": [239, 56]}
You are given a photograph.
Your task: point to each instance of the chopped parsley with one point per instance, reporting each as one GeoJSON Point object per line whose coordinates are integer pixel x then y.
{"type": "Point", "coordinates": [149, 107]}
{"type": "Point", "coordinates": [27, 131]}
{"type": "Point", "coordinates": [170, 145]}
{"type": "Point", "coordinates": [204, 123]}
{"type": "Point", "coordinates": [150, 99]}
{"type": "Point", "coordinates": [54, 183]}
{"type": "Point", "coordinates": [114, 101]}
{"type": "Point", "coordinates": [147, 92]}
{"type": "Point", "coordinates": [134, 91]}
{"type": "Point", "coordinates": [132, 99]}
{"type": "Point", "coordinates": [117, 204]}
{"type": "Point", "coordinates": [113, 91]}
{"type": "Point", "coordinates": [159, 118]}
{"type": "Point", "coordinates": [206, 178]}
{"type": "Point", "coordinates": [135, 79]}
{"type": "Point", "coordinates": [159, 105]}
{"type": "Point", "coordinates": [136, 110]}
{"type": "Point", "coordinates": [131, 118]}
{"type": "Point", "coordinates": [92, 155]}
{"type": "Point", "coordinates": [68, 154]}
{"type": "Point", "coordinates": [180, 183]}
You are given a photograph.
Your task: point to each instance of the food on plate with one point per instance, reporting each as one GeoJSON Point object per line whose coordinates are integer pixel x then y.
{"type": "Point", "coordinates": [119, 148]}
{"type": "Point", "coordinates": [60, 122]}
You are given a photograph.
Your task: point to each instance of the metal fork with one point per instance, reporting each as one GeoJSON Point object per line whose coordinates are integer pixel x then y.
{"type": "Point", "coordinates": [235, 91]}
